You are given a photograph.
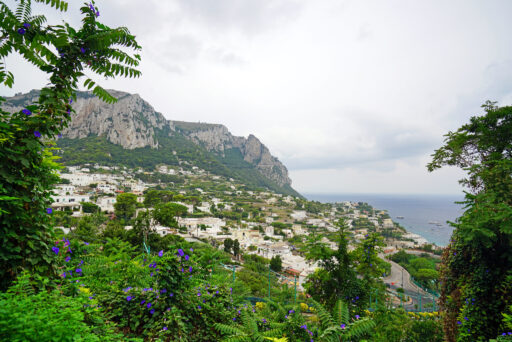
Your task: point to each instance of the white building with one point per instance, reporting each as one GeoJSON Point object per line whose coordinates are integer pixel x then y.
{"type": "Point", "coordinates": [299, 215]}
{"type": "Point", "coordinates": [213, 224]}
{"type": "Point", "coordinates": [106, 203]}
{"type": "Point", "coordinates": [388, 223]}
{"type": "Point", "coordinates": [63, 189]}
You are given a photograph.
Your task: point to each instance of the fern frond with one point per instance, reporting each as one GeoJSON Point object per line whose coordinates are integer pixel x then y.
{"type": "Point", "coordinates": [229, 329]}
{"type": "Point", "coordinates": [237, 339]}
{"type": "Point", "coordinates": [273, 333]}
{"type": "Point", "coordinates": [325, 317]}
{"type": "Point", "coordinates": [360, 327]}
{"type": "Point", "coordinates": [340, 312]}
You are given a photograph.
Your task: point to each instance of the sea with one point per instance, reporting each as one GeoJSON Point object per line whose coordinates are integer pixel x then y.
{"type": "Point", "coordinates": [425, 215]}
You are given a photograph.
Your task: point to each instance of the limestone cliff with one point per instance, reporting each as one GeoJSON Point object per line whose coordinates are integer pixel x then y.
{"type": "Point", "coordinates": [131, 122]}
{"type": "Point", "coordinates": [217, 138]}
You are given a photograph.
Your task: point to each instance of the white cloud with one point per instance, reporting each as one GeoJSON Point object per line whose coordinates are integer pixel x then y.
{"type": "Point", "coordinates": [336, 89]}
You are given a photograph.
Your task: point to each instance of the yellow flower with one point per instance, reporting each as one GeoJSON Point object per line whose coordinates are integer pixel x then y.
{"type": "Point", "coordinates": [84, 290]}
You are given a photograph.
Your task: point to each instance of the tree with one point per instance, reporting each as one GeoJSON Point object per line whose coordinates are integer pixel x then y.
{"type": "Point", "coordinates": [27, 168]}
{"type": "Point", "coordinates": [166, 213]}
{"type": "Point", "coordinates": [426, 275]}
{"type": "Point", "coordinates": [88, 207]}
{"type": "Point", "coordinates": [228, 244]}
{"type": "Point", "coordinates": [276, 264]}
{"type": "Point", "coordinates": [142, 228]}
{"type": "Point", "coordinates": [337, 277]}
{"type": "Point", "coordinates": [236, 247]}
{"type": "Point", "coordinates": [477, 264]}
{"type": "Point", "coordinates": [125, 206]}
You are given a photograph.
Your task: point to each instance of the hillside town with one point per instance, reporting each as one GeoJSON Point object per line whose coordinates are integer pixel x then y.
{"type": "Point", "coordinates": [263, 222]}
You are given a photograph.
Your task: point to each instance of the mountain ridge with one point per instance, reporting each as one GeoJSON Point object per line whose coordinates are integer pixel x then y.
{"type": "Point", "coordinates": [135, 125]}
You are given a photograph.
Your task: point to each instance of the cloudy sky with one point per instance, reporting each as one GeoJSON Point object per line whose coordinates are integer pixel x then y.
{"type": "Point", "coordinates": [352, 96]}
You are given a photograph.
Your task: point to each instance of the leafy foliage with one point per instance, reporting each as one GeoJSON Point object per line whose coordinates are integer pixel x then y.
{"type": "Point", "coordinates": [28, 167]}
{"type": "Point", "coordinates": [477, 264]}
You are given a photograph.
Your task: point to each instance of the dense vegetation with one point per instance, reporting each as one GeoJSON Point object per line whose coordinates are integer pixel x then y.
{"type": "Point", "coordinates": [476, 274]}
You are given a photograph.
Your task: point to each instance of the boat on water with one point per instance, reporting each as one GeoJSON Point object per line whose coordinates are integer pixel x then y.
{"type": "Point", "coordinates": [433, 222]}
{"type": "Point", "coordinates": [400, 217]}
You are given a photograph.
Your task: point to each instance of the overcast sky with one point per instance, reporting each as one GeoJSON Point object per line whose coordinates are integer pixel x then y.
{"type": "Point", "coordinates": [352, 96]}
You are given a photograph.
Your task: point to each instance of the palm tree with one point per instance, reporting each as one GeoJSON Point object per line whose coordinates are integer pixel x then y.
{"type": "Point", "coordinates": [337, 326]}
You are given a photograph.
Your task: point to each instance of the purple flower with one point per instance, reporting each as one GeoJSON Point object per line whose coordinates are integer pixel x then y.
{"type": "Point", "coordinates": [186, 257]}
{"type": "Point", "coordinates": [234, 319]}
{"type": "Point", "coordinates": [97, 13]}
{"type": "Point", "coordinates": [164, 328]}
{"type": "Point", "coordinates": [459, 322]}
{"type": "Point", "coordinates": [342, 326]}
{"type": "Point", "coordinates": [82, 50]}
{"type": "Point", "coordinates": [199, 294]}
{"type": "Point", "coordinates": [161, 253]}
{"type": "Point", "coordinates": [21, 31]}
{"type": "Point", "coordinates": [148, 305]}
{"type": "Point", "coordinates": [49, 210]}
{"type": "Point", "coordinates": [70, 100]}
{"type": "Point", "coordinates": [357, 316]}
{"type": "Point", "coordinates": [37, 134]}
{"type": "Point", "coordinates": [151, 274]}
{"type": "Point", "coordinates": [180, 252]}
{"type": "Point", "coordinates": [63, 275]}
{"type": "Point", "coordinates": [78, 270]}
{"type": "Point", "coordinates": [163, 290]}
{"type": "Point", "coordinates": [129, 298]}
{"type": "Point", "coordinates": [199, 307]}
{"type": "Point", "coordinates": [26, 25]}
{"type": "Point", "coordinates": [182, 270]}
{"type": "Point", "coordinates": [171, 294]}
{"type": "Point", "coordinates": [55, 250]}
{"type": "Point", "coordinates": [142, 302]}
{"type": "Point", "coordinates": [264, 320]}
{"type": "Point", "coordinates": [217, 292]}
{"type": "Point", "coordinates": [191, 249]}
{"type": "Point", "coordinates": [91, 7]}
{"type": "Point", "coordinates": [152, 311]}
{"type": "Point", "coordinates": [86, 243]}
{"type": "Point", "coordinates": [68, 258]}
{"type": "Point", "coordinates": [26, 111]}
{"type": "Point", "coordinates": [190, 269]}
{"type": "Point", "coordinates": [60, 136]}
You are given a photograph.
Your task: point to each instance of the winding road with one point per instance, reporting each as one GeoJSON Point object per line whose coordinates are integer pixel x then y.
{"type": "Point", "coordinates": [400, 278]}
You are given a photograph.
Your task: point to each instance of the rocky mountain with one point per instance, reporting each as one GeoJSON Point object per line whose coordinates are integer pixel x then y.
{"type": "Point", "coordinates": [133, 124]}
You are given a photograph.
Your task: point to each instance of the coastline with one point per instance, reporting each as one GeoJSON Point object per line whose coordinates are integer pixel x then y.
{"type": "Point", "coordinates": [415, 212]}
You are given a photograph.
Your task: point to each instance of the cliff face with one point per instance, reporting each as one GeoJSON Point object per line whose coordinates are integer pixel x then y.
{"type": "Point", "coordinates": [217, 138]}
{"type": "Point", "coordinates": [131, 122]}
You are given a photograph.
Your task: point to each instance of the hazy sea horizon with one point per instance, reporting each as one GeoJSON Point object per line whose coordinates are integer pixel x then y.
{"type": "Point", "coordinates": [417, 209]}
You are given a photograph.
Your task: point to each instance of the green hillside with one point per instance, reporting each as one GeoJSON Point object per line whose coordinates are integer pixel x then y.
{"type": "Point", "coordinates": [94, 149]}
